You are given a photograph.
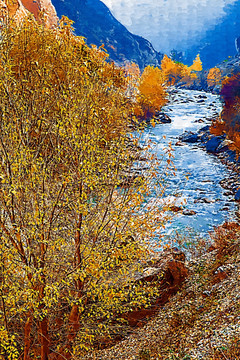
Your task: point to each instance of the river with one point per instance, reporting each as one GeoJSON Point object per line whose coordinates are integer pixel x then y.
{"type": "Point", "coordinates": [202, 193]}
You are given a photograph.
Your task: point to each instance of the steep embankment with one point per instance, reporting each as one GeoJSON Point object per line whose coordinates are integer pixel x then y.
{"type": "Point", "coordinates": [202, 320]}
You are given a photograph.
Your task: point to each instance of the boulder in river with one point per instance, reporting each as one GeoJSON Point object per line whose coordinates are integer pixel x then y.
{"type": "Point", "coordinates": [201, 96]}
{"type": "Point", "coordinates": [204, 138]}
{"type": "Point", "coordinates": [212, 144]}
{"type": "Point", "coordinates": [189, 137]}
{"type": "Point", "coordinates": [237, 195]}
{"type": "Point", "coordinates": [189, 212]}
{"type": "Point", "coordinates": [163, 118]}
{"type": "Point", "coordinates": [231, 155]}
{"type": "Point", "coordinates": [204, 129]}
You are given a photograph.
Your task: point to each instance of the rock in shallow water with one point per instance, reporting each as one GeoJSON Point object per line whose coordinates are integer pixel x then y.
{"type": "Point", "coordinates": [163, 118]}
{"type": "Point", "coordinates": [189, 137]}
{"type": "Point", "coordinates": [188, 212]}
{"type": "Point", "coordinates": [237, 195]}
{"type": "Point", "coordinates": [212, 144]}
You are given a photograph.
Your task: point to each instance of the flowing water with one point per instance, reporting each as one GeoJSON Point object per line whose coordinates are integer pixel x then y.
{"type": "Point", "coordinates": [202, 192]}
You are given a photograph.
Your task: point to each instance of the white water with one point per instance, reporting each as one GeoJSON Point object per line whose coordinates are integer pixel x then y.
{"type": "Point", "coordinates": [202, 192]}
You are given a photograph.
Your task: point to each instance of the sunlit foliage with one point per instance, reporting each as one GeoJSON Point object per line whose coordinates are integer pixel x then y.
{"type": "Point", "coordinates": [214, 77]}
{"type": "Point", "coordinates": [197, 64]}
{"type": "Point", "coordinates": [73, 218]}
{"type": "Point", "coordinates": [152, 91]}
{"type": "Point", "coordinates": [175, 72]}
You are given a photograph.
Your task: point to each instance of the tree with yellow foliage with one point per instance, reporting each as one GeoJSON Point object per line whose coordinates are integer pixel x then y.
{"type": "Point", "coordinates": [172, 70]}
{"type": "Point", "coordinates": [73, 217]}
{"type": "Point", "coordinates": [152, 90]}
{"type": "Point", "coordinates": [197, 64]}
{"type": "Point", "coordinates": [214, 77]}
{"type": "Point", "coordinates": [175, 72]}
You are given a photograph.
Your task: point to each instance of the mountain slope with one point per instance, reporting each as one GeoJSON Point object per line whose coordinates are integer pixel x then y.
{"type": "Point", "coordinates": [218, 43]}
{"type": "Point", "coordinates": [94, 21]}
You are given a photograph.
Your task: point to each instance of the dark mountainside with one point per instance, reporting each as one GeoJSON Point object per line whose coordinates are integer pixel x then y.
{"type": "Point", "coordinates": [93, 20]}
{"type": "Point", "coordinates": [218, 43]}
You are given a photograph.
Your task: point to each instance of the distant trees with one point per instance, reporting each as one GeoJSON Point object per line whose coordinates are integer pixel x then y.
{"type": "Point", "coordinates": [175, 72]}
{"type": "Point", "coordinates": [73, 215]}
{"type": "Point", "coordinates": [150, 88]}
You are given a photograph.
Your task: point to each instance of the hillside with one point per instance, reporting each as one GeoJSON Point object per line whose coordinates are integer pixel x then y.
{"type": "Point", "coordinates": [93, 20]}
{"type": "Point", "coordinates": [202, 320]}
{"type": "Point", "coordinates": [218, 42]}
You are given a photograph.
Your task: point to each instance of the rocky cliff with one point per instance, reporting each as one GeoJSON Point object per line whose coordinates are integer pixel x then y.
{"type": "Point", "coordinates": [93, 20]}
{"type": "Point", "coordinates": [18, 9]}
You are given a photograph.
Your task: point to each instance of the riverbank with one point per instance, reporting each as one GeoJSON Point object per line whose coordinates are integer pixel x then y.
{"type": "Point", "coordinates": [202, 320]}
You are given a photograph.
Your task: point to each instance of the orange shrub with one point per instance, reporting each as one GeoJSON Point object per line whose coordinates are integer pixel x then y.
{"type": "Point", "coordinates": [176, 71]}
{"type": "Point", "coordinates": [152, 90]}
{"type": "Point", "coordinates": [214, 77]}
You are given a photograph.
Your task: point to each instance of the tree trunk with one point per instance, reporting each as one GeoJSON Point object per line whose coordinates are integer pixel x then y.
{"type": "Point", "coordinates": [27, 337]}
{"type": "Point", "coordinates": [43, 330]}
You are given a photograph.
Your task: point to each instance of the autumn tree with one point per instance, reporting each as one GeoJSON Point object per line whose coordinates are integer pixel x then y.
{"type": "Point", "coordinates": [214, 77]}
{"type": "Point", "coordinates": [175, 72]}
{"type": "Point", "coordinates": [197, 64]}
{"type": "Point", "coordinates": [171, 70]}
{"type": "Point", "coordinates": [152, 93]}
{"type": "Point", "coordinates": [132, 73]}
{"type": "Point", "coordinates": [74, 217]}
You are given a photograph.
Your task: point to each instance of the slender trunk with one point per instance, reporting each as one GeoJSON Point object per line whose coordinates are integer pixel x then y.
{"type": "Point", "coordinates": [43, 329]}
{"type": "Point", "coordinates": [73, 321]}
{"type": "Point", "coordinates": [27, 337]}
{"type": "Point", "coordinates": [43, 323]}
{"type": "Point", "coordinates": [78, 257]}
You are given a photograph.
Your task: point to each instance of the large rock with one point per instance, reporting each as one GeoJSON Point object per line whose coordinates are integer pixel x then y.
{"type": "Point", "coordinates": [212, 144]}
{"type": "Point", "coordinates": [189, 137]}
{"type": "Point", "coordinates": [168, 270]}
{"type": "Point", "coordinates": [44, 6]}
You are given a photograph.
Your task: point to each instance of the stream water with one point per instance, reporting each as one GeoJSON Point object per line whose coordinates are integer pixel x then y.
{"type": "Point", "coordinates": [204, 197]}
